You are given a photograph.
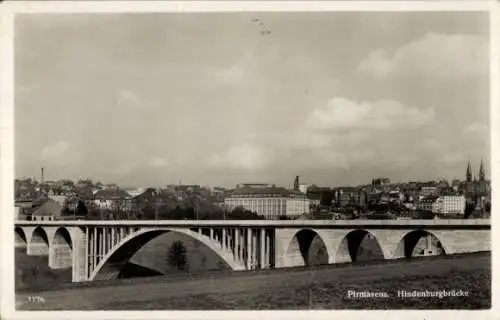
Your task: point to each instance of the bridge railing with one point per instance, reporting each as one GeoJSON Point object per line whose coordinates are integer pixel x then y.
{"type": "Point", "coordinates": [261, 223]}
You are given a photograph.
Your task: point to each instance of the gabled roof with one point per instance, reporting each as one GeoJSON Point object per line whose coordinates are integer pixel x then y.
{"type": "Point", "coordinates": [49, 208]}
{"type": "Point", "coordinates": [59, 199]}
{"type": "Point", "coordinates": [112, 194]}
{"type": "Point", "coordinates": [39, 200]}
{"type": "Point", "coordinates": [349, 189]}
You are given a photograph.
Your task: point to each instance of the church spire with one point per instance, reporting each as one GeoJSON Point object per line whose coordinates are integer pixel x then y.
{"type": "Point", "coordinates": [468, 174]}
{"type": "Point", "coordinates": [296, 183]}
{"type": "Point", "coordinates": [481, 171]}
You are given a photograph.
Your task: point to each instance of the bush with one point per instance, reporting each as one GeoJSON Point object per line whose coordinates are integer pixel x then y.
{"type": "Point", "coordinates": [177, 256]}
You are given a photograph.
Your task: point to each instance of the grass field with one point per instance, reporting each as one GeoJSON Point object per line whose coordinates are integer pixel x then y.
{"type": "Point", "coordinates": [333, 296]}
{"type": "Point", "coordinates": [295, 290]}
{"type": "Point", "coordinates": [33, 272]}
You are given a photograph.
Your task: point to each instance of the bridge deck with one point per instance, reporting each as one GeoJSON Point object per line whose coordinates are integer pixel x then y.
{"type": "Point", "coordinates": [264, 223]}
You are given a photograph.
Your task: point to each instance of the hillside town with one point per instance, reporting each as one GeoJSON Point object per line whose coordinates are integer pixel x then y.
{"type": "Point", "coordinates": [380, 199]}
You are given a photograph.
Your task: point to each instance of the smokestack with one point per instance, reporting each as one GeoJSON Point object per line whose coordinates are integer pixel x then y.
{"type": "Point", "coordinates": [42, 176]}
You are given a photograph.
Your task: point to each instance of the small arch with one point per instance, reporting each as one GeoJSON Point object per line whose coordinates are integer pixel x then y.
{"type": "Point", "coordinates": [359, 245]}
{"type": "Point", "coordinates": [20, 237]}
{"type": "Point", "coordinates": [306, 248]}
{"type": "Point", "coordinates": [419, 243]}
{"type": "Point", "coordinates": [39, 242]}
{"type": "Point", "coordinates": [63, 237]}
{"type": "Point", "coordinates": [113, 263]}
{"type": "Point", "coordinates": [39, 236]}
{"type": "Point", "coordinates": [61, 248]}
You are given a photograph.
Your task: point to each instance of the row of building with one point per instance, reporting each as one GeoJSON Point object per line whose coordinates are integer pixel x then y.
{"type": "Point", "coordinates": [270, 201]}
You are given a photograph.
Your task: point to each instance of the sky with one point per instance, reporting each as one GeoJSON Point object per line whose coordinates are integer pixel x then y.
{"type": "Point", "coordinates": [337, 98]}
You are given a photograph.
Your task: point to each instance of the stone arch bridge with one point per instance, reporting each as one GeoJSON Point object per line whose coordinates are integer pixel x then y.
{"type": "Point", "coordinates": [98, 250]}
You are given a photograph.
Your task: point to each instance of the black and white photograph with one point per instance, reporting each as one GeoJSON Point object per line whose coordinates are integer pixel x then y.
{"type": "Point", "coordinates": [250, 159]}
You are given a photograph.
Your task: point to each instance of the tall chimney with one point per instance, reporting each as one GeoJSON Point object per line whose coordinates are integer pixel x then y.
{"type": "Point", "coordinates": [42, 176]}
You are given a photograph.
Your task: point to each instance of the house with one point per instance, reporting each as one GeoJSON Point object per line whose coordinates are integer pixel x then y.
{"type": "Point", "coordinates": [428, 203]}
{"type": "Point", "coordinates": [49, 210]}
{"type": "Point", "coordinates": [428, 191]}
{"type": "Point", "coordinates": [147, 197]}
{"type": "Point", "coordinates": [349, 196]}
{"type": "Point", "coordinates": [62, 200]}
{"type": "Point", "coordinates": [113, 199]}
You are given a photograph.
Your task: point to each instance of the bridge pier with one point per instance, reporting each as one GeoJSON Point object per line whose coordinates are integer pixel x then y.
{"type": "Point", "coordinates": [267, 256]}
{"type": "Point", "coordinates": [80, 261]}
{"type": "Point", "coordinates": [262, 246]}
{"type": "Point", "coordinates": [249, 249]}
{"type": "Point", "coordinates": [60, 256]}
{"type": "Point", "coordinates": [287, 250]}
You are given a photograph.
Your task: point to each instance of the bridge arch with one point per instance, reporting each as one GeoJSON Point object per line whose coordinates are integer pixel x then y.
{"type": "Point", "coordinates": [38, 243]}
{"type": "Point", "coordinates": [359, 245]}
{"type": "Point", "coordinates": [419, 243]}
{"type": "Point", "coordinates": [113, 262]}
{"type": "Point", "coordinates": [307, 247]}
{"type": "Point", "coordinates": [20, 238]}
{"type": "Point", "coordinates": [61, 249]}
{"type": "Point", "coordinates": [62, 237]}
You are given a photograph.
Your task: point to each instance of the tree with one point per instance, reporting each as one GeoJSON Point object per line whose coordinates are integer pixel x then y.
{"type": "Point", "coordinates": [66, 212]}
{"type": "Point", "coordinates": [487, 207]}
{"type": "Point", "coordinates": [469, 209]}
{"type": "Point", "coordinates": [177, 256]}
{"type": "Point", "coordinates": [148, 212]}
{"type": "Point", "coordinates": [240, 213]}
{"type": "Point", "coordinates": [81, 209]}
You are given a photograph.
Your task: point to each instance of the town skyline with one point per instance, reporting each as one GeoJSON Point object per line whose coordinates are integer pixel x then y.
{"type": "Point", "coordinates": [408, 100]}
{"type": "Point", "coordinates": [475, 175]}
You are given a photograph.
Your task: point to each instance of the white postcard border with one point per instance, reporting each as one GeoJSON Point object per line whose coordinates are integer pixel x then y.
{"type": "Point", "coordinates": [8, 10]}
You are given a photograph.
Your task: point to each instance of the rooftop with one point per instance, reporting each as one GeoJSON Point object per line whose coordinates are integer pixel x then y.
{"type": "Point", "coordinates": [263, 190]}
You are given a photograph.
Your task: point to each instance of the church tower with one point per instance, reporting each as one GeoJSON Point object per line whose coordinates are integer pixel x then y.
{"type": "Point", "coordinates": [481, 171]}
{"type": "Point", "coordinates": [468, 174]}
{"type": "Point", "coordinates": [296, 183]}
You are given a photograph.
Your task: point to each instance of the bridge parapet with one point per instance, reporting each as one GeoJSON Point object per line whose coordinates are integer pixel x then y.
{"type": "Point", "coordinates": [261, 223]}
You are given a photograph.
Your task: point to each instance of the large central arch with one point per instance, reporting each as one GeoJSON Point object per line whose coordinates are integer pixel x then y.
{"type": "Point", "coordinates": [306, 248]}
{"type": "Point", "coordinates": [116, 259]}
{"type": "Point", "coordinates": [359, 245]}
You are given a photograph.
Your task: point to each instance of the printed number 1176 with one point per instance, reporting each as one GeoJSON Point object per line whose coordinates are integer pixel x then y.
{"type": "Point", "coordinates": [36, 299]}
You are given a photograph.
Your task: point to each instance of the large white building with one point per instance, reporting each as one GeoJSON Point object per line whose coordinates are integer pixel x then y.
{"type": "Point", "coordinates": [268, 201]}
{"type": "Point", "coordinates": [446, 204]}
{"type": "Point", "coordinates": [451, 204]}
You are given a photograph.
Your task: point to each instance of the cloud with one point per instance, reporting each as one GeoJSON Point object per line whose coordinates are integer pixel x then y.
{"type": "Point", "coordinates": [245, 156]}
{"type": "Point", "coordinates": [451, 157]}
{"type": "Point", "coordinates": [127, 98]}
{"type": "Point", "coordinates": [430, 144]}
{"type": "Point", "coordinates": [158, 162]}
{"type": "Point", "coordinates": [477, 128]}
{"type": "Point", "coordinates": [234, 74]}
{"type": "Point", "coordinates": [344, 114]}
{"type": "Point", "coordinates": [60, 153]}
{"type": "Point", "coordinates": [122, 169]}
{"type": "Point", "coordinates": [432, 56]}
